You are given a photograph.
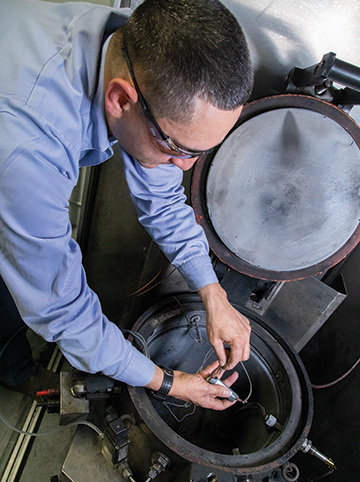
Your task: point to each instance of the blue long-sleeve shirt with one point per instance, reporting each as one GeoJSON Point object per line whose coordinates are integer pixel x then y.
{"type": "Point", "coordinates": [51, 123]}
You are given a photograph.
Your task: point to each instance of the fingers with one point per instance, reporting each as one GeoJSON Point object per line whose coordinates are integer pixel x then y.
{"type": "Point", "coordinates": [233, 330]}
{"type": "Point", "coordinates": [218, 394]}
{"type": "Point", "coordinates": [209, 369]}
{"type": "Point", "coordinates": [212, 367]}
{"type": "Point", "coordinates": [220, 351]}
{"type": "Point", "coordinates": [219, 400]}
{"type": "Point", "coordinates": [236, 354]}
{"type": "Point", "coordinates": [231, 379]}
{"type": "Point", "coordinates": [194, 388]}
{"type": "Point", "coordinates": [240, 344]}
{"type": "Point", "coordinates": [229, 358]}
{"type": "Point", "coordinates": [240, 351]}
{"type": "Point", "coordinates": [221, 404]}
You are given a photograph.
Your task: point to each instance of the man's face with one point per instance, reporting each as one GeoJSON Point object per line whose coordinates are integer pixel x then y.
{"type": "Point", "coordinates": [207, 128]}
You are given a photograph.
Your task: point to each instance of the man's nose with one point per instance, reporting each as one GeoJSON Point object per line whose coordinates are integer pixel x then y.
{"type": "Point", "coordinates": [184, 164]}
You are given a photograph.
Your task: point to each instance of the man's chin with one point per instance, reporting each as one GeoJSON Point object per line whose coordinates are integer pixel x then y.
{"type": "Point", "coordinates": [149, 164]}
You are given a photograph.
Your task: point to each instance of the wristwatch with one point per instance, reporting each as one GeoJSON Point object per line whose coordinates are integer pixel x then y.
{"type": "Point", "coordinates": [166, 385]}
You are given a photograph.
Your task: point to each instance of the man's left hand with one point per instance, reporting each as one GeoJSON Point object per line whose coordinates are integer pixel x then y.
{"type": "Point", "coordinates": [225, 325]}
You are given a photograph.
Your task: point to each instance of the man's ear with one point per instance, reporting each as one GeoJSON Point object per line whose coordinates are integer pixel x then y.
{"type": "Point", "coordinates": [119, 97]}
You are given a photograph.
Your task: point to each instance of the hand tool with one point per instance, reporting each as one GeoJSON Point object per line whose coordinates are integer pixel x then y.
{"type": "Point", "coordinates": [214, 379]}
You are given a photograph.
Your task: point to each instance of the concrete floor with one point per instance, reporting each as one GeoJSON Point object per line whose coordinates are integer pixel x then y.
{"type": "Point", "coordinates": [43, 455]}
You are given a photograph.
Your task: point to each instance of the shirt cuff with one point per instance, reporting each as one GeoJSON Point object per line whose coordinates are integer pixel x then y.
{"type": "Point", "coordinates": [198, 272]}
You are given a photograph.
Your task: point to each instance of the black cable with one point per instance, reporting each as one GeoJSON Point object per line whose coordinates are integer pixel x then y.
{"type": "Point", "coordinates": [11, 339]}
{"type": "Point", "coordinates": [319, 477]}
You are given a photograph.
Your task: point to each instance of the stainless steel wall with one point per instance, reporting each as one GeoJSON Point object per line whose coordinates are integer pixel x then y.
{"type": "Point", "coordinates": [287, 33]}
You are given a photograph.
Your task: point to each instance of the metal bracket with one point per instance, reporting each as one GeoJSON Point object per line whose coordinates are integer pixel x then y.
{"type": "Point", "coordinates": [261, 299]}
{"type": "Point", "coordinates": [317, 81]}
{"type": "Point", "coordinates": [294, 309]}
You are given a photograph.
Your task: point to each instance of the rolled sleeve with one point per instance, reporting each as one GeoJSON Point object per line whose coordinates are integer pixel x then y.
{"type": "Point", "coordinates": [198, 272]}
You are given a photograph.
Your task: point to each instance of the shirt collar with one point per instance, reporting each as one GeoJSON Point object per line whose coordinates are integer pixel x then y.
{"type": "Point", "coordinates": [101, 140]}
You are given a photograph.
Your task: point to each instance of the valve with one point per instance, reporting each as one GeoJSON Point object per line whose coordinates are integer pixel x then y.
{"type": "Point", "coordinates": [307, 447]}
{"type": "Point", "coordinates": [159, 463]}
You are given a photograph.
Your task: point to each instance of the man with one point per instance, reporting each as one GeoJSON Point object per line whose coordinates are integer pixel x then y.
{"type": "Point", "coordinates": [76, 78]}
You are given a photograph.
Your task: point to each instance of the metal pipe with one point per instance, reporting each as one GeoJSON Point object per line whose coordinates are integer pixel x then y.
{"type": "Point", "coordinates": [345, 74]}
{"type": "Point", "coordinates": [308, 447]}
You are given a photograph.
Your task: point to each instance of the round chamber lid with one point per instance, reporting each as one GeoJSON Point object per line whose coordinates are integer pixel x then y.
{"type": "Point", "coordinates": [280, 198]}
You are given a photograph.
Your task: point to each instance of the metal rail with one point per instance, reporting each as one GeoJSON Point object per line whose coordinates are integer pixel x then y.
{"type": "Point", "coordinates": [34, 416]}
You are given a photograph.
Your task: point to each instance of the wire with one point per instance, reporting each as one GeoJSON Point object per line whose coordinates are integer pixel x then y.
{"type": "Point", "coordinates": [250, 383]}
{"type": "Point", "coordinates": [206, 358]}
{"type": "Point", "coordinates": [330, 384]}
{"type": "Point", "coordinates": [319, 477]}
{"type": "Point", "coordinates": [140, 338]}
{"type": "Point", "coordinates": [11, 339]}
{"type": "Point", "coordinates": [252, 405]}
{"type": "Point", "coordinates": [141, 291]}
{"type": "Point", "coordinates": [199, 338]}
{"type": "Point", "coordinates": [145, 286]}
{"type": "Point", "coordinates": [185, 405]}
{"type": "Point", "coordinates": [58, 429]}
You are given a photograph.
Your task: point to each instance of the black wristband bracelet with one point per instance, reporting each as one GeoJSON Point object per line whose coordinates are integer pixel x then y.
{"type": "Point", "coordinates": [166, 385]}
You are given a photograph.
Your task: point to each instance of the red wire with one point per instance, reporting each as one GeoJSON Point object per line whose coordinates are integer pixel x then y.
{"type": "Point", "coordinates": [42, 393]}
{"type": "Point", "coordinates": [330, 384]}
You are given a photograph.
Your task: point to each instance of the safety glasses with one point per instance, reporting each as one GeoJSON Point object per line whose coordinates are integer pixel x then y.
{"type": "Point", "coordinates": [169, 147]}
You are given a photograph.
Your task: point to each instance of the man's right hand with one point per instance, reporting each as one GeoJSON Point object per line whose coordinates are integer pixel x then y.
{"type": "Point", "coordinates": [195, 389]}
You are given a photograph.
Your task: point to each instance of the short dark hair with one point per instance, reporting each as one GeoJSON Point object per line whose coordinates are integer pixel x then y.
{"type": "Point", "coordinates": [182, 50]}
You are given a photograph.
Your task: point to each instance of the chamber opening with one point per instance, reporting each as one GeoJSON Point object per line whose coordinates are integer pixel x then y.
{"type": "Point", "coordinates": [241, 429]}
{"type": "Point", "coordinates": [256, 433]}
